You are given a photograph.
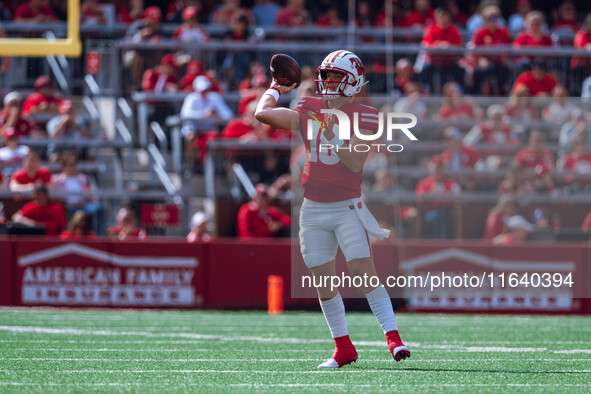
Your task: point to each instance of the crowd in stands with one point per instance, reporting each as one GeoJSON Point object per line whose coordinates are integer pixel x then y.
{"type": "Point", "coordinates": [549, 134]}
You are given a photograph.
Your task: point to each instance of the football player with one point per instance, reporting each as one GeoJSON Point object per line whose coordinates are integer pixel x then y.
{"type": "Point", "coordinates": [332, 213]}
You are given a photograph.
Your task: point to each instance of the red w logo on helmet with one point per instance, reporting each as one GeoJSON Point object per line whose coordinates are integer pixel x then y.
{"type": "Point", "coordinates": [357, 64]}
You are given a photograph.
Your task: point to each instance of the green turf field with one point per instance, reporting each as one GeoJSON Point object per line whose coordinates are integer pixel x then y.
{"type": "Point", "coordinates": [111, 350]}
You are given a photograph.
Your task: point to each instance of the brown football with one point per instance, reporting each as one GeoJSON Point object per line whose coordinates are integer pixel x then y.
{"type": "Point", "coordinates": [285, 70]}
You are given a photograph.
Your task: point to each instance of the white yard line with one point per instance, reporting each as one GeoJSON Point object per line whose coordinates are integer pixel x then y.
{"type": "Point", "coordinates": [294, 385]}
{"type": "Point", "coordinates": [25, 349]}
{"type": "Point", "coordinates": [253, 360]}
{"type": "Point", "coordinates": [226, 338]}
{"type": "Point", "coordinates": [321, 371]}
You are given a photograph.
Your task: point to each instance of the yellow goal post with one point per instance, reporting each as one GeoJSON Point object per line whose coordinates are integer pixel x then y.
{"type": "Point", "coordinates": [71, 46]}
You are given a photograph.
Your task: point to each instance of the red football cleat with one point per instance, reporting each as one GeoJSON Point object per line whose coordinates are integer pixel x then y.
{"type": "Point", "coordinates": [397, 348]}
{"type": "Point", "coordinates": [344, 354]}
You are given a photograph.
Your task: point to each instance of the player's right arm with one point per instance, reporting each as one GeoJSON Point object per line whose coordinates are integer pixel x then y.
{"type": "Point", "coordinates": [276, 117]}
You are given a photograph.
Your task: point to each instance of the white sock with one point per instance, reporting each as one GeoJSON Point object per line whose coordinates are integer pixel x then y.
{"type": "Point", "coordinates": [381, 306]}
{"type": "Point", "coordinates": [334, 313]}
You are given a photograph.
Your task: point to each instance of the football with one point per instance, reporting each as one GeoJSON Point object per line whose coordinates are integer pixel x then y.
{"type": "Point", "coordinates": [285, 70]}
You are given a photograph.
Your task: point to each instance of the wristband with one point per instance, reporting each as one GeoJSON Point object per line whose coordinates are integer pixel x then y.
{"type": "Point", "coordinates": [274, 92]}
{"type": "Point", "coordinates": [335, 141]}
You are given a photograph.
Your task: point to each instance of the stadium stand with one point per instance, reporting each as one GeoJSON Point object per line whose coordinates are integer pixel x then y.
{"type": "Point", "coordinates": [444, 65]}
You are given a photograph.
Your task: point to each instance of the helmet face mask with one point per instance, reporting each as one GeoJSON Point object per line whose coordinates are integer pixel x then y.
{"type": "Point", "coordinates": [343, 62]}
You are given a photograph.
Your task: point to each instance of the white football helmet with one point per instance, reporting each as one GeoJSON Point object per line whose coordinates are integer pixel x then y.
{"type": "Point", "coordinates": [344, 62]}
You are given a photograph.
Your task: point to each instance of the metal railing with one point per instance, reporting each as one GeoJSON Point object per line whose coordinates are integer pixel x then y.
{"type": "Point", "coordinates": [59, 67]}
{"type": "Point", "coordinates": [216, 160]}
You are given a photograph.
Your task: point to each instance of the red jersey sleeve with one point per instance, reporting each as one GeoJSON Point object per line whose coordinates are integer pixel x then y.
{"type": "Point", "coordinates": [28, 208]}
{"type": "Point", "coordinates": [454, 37]}
{"type": "Point", "coordinates": [243, 225]}
{"type": "Point", "coordinates": [30, 102]}
{"type": "Point", "coordinates": [477, 37]}
{"type": "Point", "coordinates": [149, 80]}
{"type": "Point", "coordinates": [44, 174]}
{"type": "Point", "coordinates": [280, 216]}
{"type": "Point", "coordinates": [235, 129]}
{"type": "Point", "coordinates": [519, 40]}
{"type": "Point", "coordinates": [428, 36]}
{"type": "Point", "coordinates": [18, 176]}
{"type": "Point", "coordinates": [506, 39]}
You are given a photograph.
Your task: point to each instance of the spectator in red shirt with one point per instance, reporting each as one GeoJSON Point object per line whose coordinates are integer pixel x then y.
{"type": "Point", "coordinates": [42, 212]}
{"type": "Point", "coordinates": [538, 81]}
{"type": "Point", "coordinates": [457, 156]}
{"type": "Point", "coordinates": [12, 117]}
{"type": "Point", "coordinates": [519, 228]}
{"type": "Point", "coordinates": [492, 131]}
{"type": "Point", "coordinates": [567, 21]}
{"type": "Point", "coordinates": [189, 30]}
{"type": "Point", "coordinates": [198, 233]}
{"type": "Point", "coordinates": [126, 228]}
{"type": "Point", "coordinates": [35, 11]}
{"type": "Point", "coordinates": [194, 69]}
{"type": "Point", "coordinates": [442, 34]}
{"type": "Point", "coordinates": [496, 221]}
{"type": "Point", "coordinates": [146, 29]}
{"type": "Point", "coordinates": [455, 106]}
{"type": "Point", "coordinates": [294, 14]}
{"type": "Point", "coordinates": [580, 66]}
{"type": "Point", "coordinates": [78, 228]}
{"type": "Point", "coordinates": [490, 74]}
{"type": "Point", "coordinates": [258, 219]}
{"type": "Point", "coordinates": [245, 127]}
{"type": "Point", "coordinates": [162, 78]}
{"type": "Point", "coordinates": [421, 16]}
{"type": "Point", "coordinates": [91, 13]}
{"type": "Point", "coordinates": [437, 215]}
{"type": "Point", "coordinates": [532, 36]}
{"type": "Point", "coordinates": [30, 174]}
{"type": "Point", "coordinates": [43, 99]}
